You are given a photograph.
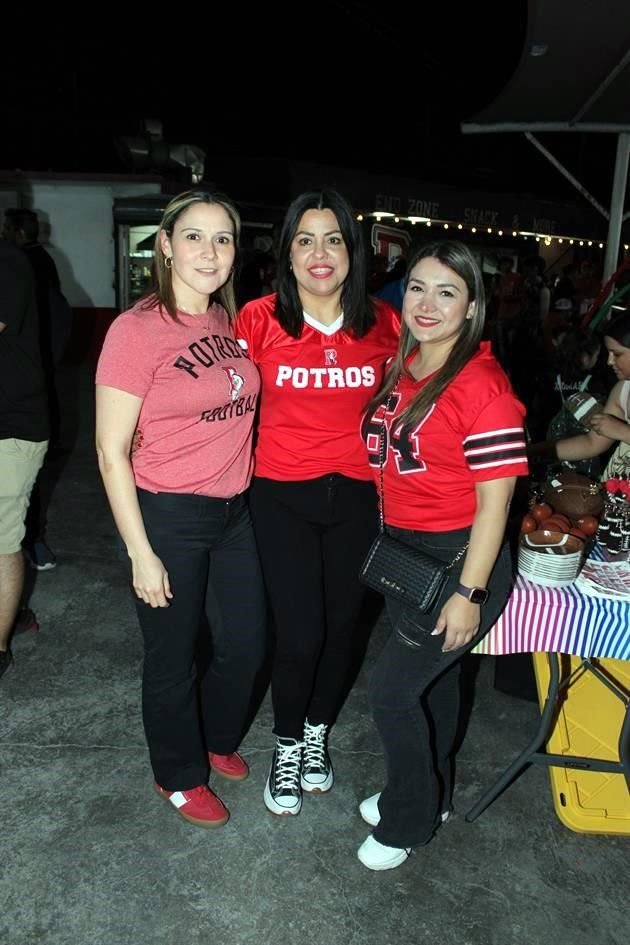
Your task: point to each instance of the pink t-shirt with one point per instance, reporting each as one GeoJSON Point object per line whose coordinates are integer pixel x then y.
{"type": "Point", "coordinates": [199, 393]}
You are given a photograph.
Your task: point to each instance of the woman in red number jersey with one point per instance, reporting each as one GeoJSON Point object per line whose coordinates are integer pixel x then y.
{"type": "Point", "coordinates": [455, 444]}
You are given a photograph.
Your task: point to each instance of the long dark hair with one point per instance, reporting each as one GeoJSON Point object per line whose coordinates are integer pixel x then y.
{"type": "Point", "coordinates": [457, 257]}
{"type": "Point", "coordinates": [358, 308]}
{"type": "Point", "coordinates": [162, 294]}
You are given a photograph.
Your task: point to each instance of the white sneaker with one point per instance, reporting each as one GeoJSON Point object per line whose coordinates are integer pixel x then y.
{"type": "Point", "coordinates": [371, 814]}
{"type": "Point", "coordinates": [283, 794]}
{"type": "Point", "coordinates": [376, 856]}
{"type": "Point", "coordinates": [317, 772]}
{"type": "Point", "coordinates": [369, 810]}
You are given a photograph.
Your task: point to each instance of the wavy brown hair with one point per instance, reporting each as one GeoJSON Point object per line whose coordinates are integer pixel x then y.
{"type": "Point", "coordinates": [457, 257]}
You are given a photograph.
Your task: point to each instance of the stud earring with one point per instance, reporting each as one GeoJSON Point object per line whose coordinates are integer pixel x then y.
{"type": "Point", "coordinates": [168, 262]}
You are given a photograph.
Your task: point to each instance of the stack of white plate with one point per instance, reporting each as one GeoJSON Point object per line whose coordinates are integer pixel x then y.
{"type": "Point", "coordinates": [546, 559]}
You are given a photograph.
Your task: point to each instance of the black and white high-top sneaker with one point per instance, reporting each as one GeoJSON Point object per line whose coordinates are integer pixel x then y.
{"type": "Point", "coordinates": [317, 772]}
{"type": "Point", "coordinates": [283, 794]}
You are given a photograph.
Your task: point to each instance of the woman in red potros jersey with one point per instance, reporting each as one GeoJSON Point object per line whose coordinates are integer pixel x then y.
{"type": "Point", "coordinates": [321, 345]}
{"type": "Point", "coordinates": [455, 444]}
{"type": "Point", "coordinates": [171, 368]}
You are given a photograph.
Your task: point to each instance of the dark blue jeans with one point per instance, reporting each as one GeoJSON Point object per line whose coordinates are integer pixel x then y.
{"type": "Point", "coordinates": [414, 696]}
{"type": "Point", "coordinates": [208, 548]}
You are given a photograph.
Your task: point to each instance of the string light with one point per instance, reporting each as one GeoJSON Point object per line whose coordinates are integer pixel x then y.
{"type": "Point", "coordinates": [547, 238]}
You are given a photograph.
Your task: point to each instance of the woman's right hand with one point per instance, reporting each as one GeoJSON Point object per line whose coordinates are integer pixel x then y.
{"type": "Point", "coordinates": [606, 425]}
{"type": "Point", "coordinates": [150, 580]}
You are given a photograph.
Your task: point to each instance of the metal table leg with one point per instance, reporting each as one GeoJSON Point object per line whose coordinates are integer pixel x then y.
{"type": "Point", "coordinates": [532, 753]}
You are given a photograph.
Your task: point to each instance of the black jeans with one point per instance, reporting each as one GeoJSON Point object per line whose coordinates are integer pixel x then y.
{"type": "Point", "coordinates": [414, 697]}
{"type": "Point", "coordinates": [208, 548]}
{"type": "Point", "coordinates": [313, 537]}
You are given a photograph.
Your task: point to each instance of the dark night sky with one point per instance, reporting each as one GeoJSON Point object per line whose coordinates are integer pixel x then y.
{"type": "Point", "coordinates": [351, 87]}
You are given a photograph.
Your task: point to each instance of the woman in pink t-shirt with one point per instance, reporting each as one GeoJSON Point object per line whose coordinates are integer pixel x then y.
{"type": "Point", "coordinates": [171, 373]}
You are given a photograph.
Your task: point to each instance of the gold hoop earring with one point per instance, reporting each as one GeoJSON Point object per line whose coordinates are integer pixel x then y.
{"type": "Point", "coordinates": [168, 262]}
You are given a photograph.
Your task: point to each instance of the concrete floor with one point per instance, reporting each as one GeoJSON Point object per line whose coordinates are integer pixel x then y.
{"type": "Point", "coordinates": [90, 855]}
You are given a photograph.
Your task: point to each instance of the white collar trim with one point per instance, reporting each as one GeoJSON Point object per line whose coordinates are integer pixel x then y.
{"type": "Point", "coordinates": [325, 329]}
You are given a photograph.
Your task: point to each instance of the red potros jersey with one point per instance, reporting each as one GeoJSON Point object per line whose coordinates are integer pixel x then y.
{"type": "Point", "coordinates": [199, 396]}
{"type": "Point", "coordinates": [314, 390]}
{"type": "Point", "coordinates": [473, 433]}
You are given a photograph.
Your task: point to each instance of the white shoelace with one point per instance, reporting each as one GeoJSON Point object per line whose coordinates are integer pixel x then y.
{"type": "Point", "coordinates": [288, 765]}
{"type": "Point", "coordinates": [315, 746]}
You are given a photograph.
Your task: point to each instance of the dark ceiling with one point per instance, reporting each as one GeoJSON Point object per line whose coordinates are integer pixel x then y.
{"type": "Point", "coordinates": [574, 71]}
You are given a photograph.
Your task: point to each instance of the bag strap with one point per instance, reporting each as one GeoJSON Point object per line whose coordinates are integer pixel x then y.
{"type": "Point", "coordinates": [381, 463]}
{"type": "Point", "coordinates": [381, 488]}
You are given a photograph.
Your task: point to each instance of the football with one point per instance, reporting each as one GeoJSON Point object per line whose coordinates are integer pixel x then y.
{"type": "Point", "coordinates": [574, 495]}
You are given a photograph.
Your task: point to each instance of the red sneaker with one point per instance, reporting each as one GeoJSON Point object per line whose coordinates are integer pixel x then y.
{"type": "Point", "coordinates": [232, 767]}
{"type": "Point", "coordinates": [26, 622]}
{"type": "Point", "coordinates": [198, 805]}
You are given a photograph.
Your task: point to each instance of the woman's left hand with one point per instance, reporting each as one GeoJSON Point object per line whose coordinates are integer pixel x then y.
{"type": "Point", "coordinates": [459, 621]}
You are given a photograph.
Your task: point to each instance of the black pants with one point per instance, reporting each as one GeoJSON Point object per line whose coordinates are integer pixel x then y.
{"type": "Point", "coordinates": [208, 548]}
{"type": "Point", "coordinates": [313, 537]}
{"type": "Point", "coordinates": [415, 700]}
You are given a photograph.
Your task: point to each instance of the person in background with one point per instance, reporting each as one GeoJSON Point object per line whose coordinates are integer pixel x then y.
{"type": "Point", "coordinates": [321, 344]}
{"type": "Point", "coordinates": [506, 299]}
{"type": "Point", "coordinates": [575, 367]}
{"type": "Point", "coordinates": [24, 429]}
{"type": "Point", "coordinates": [587, 285]}
{"type": "Point", "coordinates": [610, 427]}
{"type": "Point", "coordinates": [566, 287]}
{"type": "Point", "coordinates": [528, 365]}
{"type": "Point", "coordinates": [454, 445]}
{"type": "Point", "coordinates": [171, 369]}
{"type": "Point", "coordinates": [394, 289]}
{"type": "Point", "coordinates": [55, 325]}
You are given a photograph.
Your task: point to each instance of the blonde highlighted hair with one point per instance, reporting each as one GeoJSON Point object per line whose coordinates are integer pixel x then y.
{"type": "Point", "coordinates": [162, 294]}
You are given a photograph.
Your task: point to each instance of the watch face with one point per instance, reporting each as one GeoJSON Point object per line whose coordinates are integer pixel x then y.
{"type": "Point", "coordinates": [478, 595]}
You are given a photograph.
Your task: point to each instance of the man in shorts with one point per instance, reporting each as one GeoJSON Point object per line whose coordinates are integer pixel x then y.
{"type": "Point", "coordinates": [24, 427]}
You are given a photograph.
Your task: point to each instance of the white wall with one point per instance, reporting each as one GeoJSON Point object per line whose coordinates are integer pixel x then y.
{"type": "Point", "coordinates": [79, 217]}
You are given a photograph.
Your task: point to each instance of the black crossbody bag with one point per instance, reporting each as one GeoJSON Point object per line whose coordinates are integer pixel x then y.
{"type": "Point", "coordinates": [398, 570]}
